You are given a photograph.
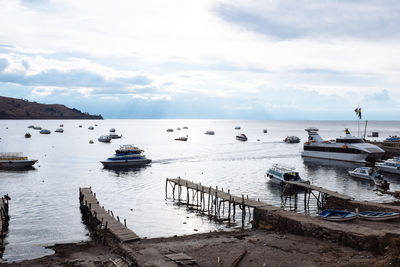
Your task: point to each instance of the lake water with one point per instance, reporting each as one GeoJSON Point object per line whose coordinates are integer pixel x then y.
{"type": "Point", "coordinates": [45, 206]}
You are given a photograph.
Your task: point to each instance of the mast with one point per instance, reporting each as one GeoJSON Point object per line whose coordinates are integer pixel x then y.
{"type": "Point", "coordinates": [365, 130]}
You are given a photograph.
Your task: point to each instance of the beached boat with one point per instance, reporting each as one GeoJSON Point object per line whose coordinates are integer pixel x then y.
{"type": "Point", "coordinates": [337, 215]}
{"type": "Point", "coordinates": [59, 130]}
{"type": "Point", "coordinates": [292, 139]}
{"type": "Point", "coordinates": [390, 165]}
{"type": "Point", "coordinates": [241, 137]}
{"type": "Point", "coordinates": [347, 148]}
{"type": "Point", "coordinates": [27, 135]}
{"type": "Point", "coordinates": [104, 139]}
{"type": "Point", "coordinates": [378, 216]}
{"type": "Point", "coordinates": [45, 131]}
{"type": "Point", "coordinates": [114, 136]}
{"type": "Point", "coordinates": [369, 174]}
{"type": "Point", "coordinates": [15, 160]}
{"type": "Point", "coordinates": [126, 156]}
{"type": "Point", "coordinates": [278, 174]}
{"type": "Point", "coordinates": [182, 138]}
{"type": "Point", "coordinates": [210, 132]}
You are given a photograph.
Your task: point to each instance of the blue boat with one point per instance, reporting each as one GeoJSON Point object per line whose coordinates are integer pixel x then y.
{"type": "Point", "coordinates": [392, 139]}
{"type": "Point", "coordinates": [378, 215]}
{"type": "Point", "coordinates": [337, 215]}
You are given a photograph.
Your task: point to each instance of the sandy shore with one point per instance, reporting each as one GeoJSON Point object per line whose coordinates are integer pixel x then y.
{"type": "Point", "coordinates": [263, 248]}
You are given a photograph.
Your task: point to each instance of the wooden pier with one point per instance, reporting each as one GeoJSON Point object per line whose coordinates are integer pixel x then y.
{"type": "Point", "coordinates": [211, 200]}
{"type": "Point", "coordinates": [4, 218]}
{"type": "Point", "coordinates": [102, 219]}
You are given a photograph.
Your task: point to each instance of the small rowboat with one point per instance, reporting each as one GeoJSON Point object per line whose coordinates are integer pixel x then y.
{"type": "Point", "coordinates": [378, 216]}
{"type": "Point", "coordinates": [337, 215]}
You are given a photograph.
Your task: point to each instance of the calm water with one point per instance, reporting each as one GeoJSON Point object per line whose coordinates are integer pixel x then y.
{"type": "Point", "coordinates": [45, 207]}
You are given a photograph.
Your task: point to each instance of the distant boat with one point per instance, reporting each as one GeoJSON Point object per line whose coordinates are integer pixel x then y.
{"type": "Point", "coordinates": [45, 131]}
{"type": "Point", "coordinates": [80, 126]}
{"type": "Point", "coordinates": [178, 129]}
{"type": "Point", "coordinates": [91, 142]}
{"type": "Point", "coordinates": [237, 128]}
{"type": "Point", "coordinates": [31, 126]}
{"type": "Point", "coordinates": [59, 130]}
{"type": "Point", "coordinates": [37, 128]}
{"type": "Point", "coordinates": [182, 138]}
{"type": "Point", "coordinates": [185, 127]}
{"type": "Point", "coordinates": [114, 135]}
{"type": "Point", "coordinates": [112, 130]}
{"type": "Point", "coordinates": [241, 137]}
{"type": "Point", "coordinates": [265, 131]}
{"type": "Point", "coordinates": [15, 160]}
{"type": "Point", "coordinates": [61, 125]}
{"type": "Point", "coordinates": [378, 216]}
{"type": "Point", "coordinates": [210, 132]}
{"type": "Point", "coordinates": [104, 139]}
{"type": "Point", "coordinates": [292, 139]}
{"type": "Point", "coordinates": [170, 130]}
{"type": "Point", "coordinates": [337, 215]}
{"type": "Point", "coordinates": [27, 135]}
{"type": "Point", "coordinates": [392, 139]}
{"type": "Point", "coordinates": [91, 128]}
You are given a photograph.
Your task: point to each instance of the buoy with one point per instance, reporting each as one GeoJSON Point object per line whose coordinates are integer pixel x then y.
{"type": "Point", "coordinates": [91, 142]}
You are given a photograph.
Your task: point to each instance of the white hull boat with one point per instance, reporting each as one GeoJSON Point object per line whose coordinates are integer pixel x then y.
{"type": "Point", "coordinates": [126, 156]}
{"type": "Point", "coordinates": [15, 160]}
{"type": "Point", "coordinates": [390, 165]}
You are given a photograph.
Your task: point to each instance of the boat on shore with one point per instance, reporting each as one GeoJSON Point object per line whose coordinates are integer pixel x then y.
{"type": "Point", "coordinates": [241, 137]}
{"type": "Point", "coordinates": [104, 139]}
{"type": "Point", "coordinates": [378, 215]}
{"type": "Point", "coordinates": [390, 165]}
{"type": "Point", "coordinates": [278, 174]}
{"type": "Point", "coordinates": [370, 174]}
{"type": "Point", "coordinates": [337, 215]}
{"type": "Point", "coordinates": [126, 156]}
{"type": "Point", "coordinates": [10, 160]}
{"type": "Point", "coordinates": [347, 148]}
{"type": "Point", "coordinates": [291, 139]}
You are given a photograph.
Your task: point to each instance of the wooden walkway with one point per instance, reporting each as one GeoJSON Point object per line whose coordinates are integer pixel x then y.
{"type": "Point", "coordinates": [107, 220]}
{"type": "Point", "coordinates": [319, 189]}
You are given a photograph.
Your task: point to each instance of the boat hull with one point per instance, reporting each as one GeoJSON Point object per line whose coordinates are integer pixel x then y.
{"type": "Point", "coordinates": [335, 156]}
{"type": "Point", "coordinates": [388, 169]}
{"type": "Point", "coordinates": [125, 163]}
{"type": "Point", "coordinates": [378, 216]}
{"type": "Point", "coordinates": [9, 164]}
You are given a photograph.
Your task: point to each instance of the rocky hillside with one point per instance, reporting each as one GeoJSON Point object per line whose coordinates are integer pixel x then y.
{"type": "Point", "coordinates": [13, 108]}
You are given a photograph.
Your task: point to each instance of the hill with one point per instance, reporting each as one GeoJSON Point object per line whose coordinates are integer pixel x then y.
{"type": "Point", "coordinates": [14, 109]}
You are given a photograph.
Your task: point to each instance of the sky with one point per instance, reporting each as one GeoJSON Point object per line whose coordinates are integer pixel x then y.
{"type": "Point", "coordinates": [205, 59]}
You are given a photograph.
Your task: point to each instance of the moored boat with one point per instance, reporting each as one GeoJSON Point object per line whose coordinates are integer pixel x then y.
{"type": "Point", "coordinates": [237, 128]}
{"type": "Point", "coordinates": [291, 139]}
{"type": "Point", "coordinates": [279, 174]}
{"type": "Point", "coordinates": [37, 128]}
{"type": "Point", "coordinates": [170, 130]}
{"type": "Point", "coordinates": [91, 128]}
{"type": "Point", "coordinates": [241, 137]}
{"type": "Point", "coordinates": [337, 215]}
{"type": "Point", "coordinates": [112, 130]}
{"type": "Point", "coordinates": [210, 132]}
{"type": "Point", "coordinates": [45, 131]}
{"type": "Point", "coordinates": [390, 165]}
{"type": "Point", "coordinates": [114, 136]}
{"type": "Point", "coordinates": [126, 156]}
{"type": "Point", "coordinates": [15, 160]}
{"type": "Point", "coordinates": [265, 131]}
{"type": "Point", "coordinates": [182, 138]}
{"type": "Point", "coordinates": [378, 215]}
{"type": "Point", "coordinates": [59, 130]}
{"type": "Point", "coordinates": [369, 174]}
{"type": "Point", "coordinates": [104, 139]}
{"type": "Point", "coordinates": [31, 126]}
{"type": "Point", "coordinates": [27, 135]}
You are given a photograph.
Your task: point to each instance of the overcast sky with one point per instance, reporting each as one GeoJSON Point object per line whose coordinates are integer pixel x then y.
{"type": "Point", "coordinates": [299, 59]}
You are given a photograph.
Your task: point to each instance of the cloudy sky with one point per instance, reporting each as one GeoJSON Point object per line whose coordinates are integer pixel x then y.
{"type": "Point", "coordinates": [223, 59]}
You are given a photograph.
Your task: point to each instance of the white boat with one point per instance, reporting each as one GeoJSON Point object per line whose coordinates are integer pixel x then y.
{"type": "Point", "coordinates": [126, 156]}
{"type": "Point", "coordinates": [182, 138]}
{"type": "Point", "coordinates": [15, 160]}
{"type": "Point", "coordinates": [348, 148]}
{"type": "Point", "coordinates": [390, 165]}
{"type": "Point", "coordinates": [378, 215]}
{"type": "Point", "coordinates": [59, 130]}
{"type": "Point", "coordinates": [369, 174]}
{"type": "Point", "coordinates": [278, 174]}
{"type": "Point", "coordinates": [91, 128]}
{"type": "Point", "coordinates": [45, 131]}
{"type": "Point", "coordinates": [114, 136]}
{"type": "Point", "coordinates": [210, 132]}
{"type": "Point", "coordinates": [104, 139]}
{"type": "Point", "coordinates": [170, 130]}
{"type": "Point", "coordinates": [292, 139]}
{"type": "Point", "coordinates": [112, 130]}
{"type": "Point", "coordinates": [241, 137]}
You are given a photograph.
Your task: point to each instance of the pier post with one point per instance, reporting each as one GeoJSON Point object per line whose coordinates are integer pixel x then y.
{"type": "Point", "coordinates": [166, 187]}
{"type": "Point", "coordinates": [209, 195]}
{"type": "Point", "coordinates": [187, 194]}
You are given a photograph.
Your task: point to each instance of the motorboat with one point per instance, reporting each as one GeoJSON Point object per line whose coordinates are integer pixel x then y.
{"type": "Point", "coordinates": [278, 174]}
{"type": "Point", "coordinates": [178, 128]}
{"type": "Point", "coordinates": [347, 148]}
{"type": "Point", "coordinates": [126, 156]}
{"type": "Point", "coordinates": [392, 139]}
{"type": "Point", "coordinates": [112, 130]}
{"type": "Point", "coordinates": [369, 174]}
{"type": "Point", "coordinates": [237, 128]}
{"type": "Point", "coordinates": [185, 127]}
{"type": "Point", "coordinates": [337, 215]}
{"type": "Point", "coordinates": [45, 131]}
{"type": "Point", "coordinates": [182, 138]}
{"type": "Point", "coordinates": [210, 132]}
{"type": "Point", "coordinates": [390, 165]}
{"type": "Point", "coordinates": [61, 125]}
{"type": "Point", "coordinates": [37, 128]}
{"type": "Point", "coordinates": [170, 130]}
{"type": "Point", "coordinates": [114, 136]}
{"type": "Point", "coordinates": [378, 215]}
{"type": "Point", "coordinates": [291, 139]}
{"type": "Point", "coordinates": [31, 126]}
{"type": "Point", "coordinates": [241, 137]}
{"type": "Point", "coordinates": [27, 135]}
{"type": "Point", "coordinates": [59, 130]}
{"type": "Point", "coordinates": [11, 160]}
{"type": "Point", "coordinates": [104, 139]}
{"type": "Point", "coordinates": [91, 128]}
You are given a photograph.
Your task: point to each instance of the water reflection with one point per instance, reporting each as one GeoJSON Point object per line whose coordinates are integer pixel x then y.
{"type": "Point", "coordinates": [125, 171]}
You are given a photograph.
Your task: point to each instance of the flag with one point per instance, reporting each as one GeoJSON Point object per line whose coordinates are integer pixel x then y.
{"type": "Point", "coordinates": [358, 112]}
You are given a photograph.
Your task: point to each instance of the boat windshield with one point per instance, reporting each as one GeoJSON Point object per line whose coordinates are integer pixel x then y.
{"type": "Point", "coordinates": [350, 141]}
{"type": "Point", "coordinates": [291, 176]}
